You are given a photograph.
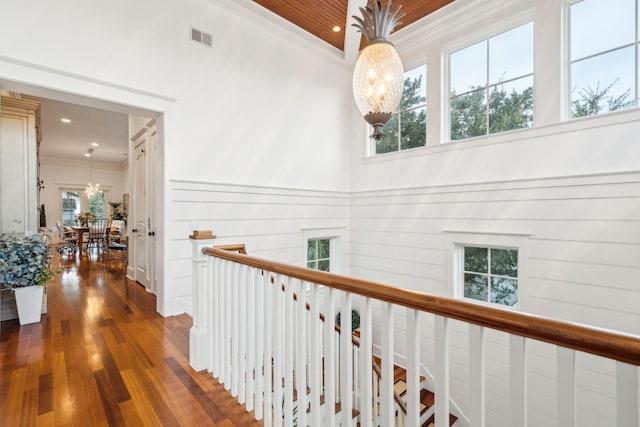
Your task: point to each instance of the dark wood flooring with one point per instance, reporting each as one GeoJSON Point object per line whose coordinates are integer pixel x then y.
{"type": "Point", "coordinates": [103, 356]}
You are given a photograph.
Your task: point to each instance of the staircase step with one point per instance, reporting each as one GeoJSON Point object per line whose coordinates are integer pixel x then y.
{"type": "Point", "coordinates": [431, 421]}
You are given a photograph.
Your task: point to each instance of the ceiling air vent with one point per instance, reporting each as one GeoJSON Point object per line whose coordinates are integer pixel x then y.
{"type": "Point", "coordinates": [201, 37]}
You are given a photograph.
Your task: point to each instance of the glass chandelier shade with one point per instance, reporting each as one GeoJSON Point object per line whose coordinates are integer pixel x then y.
{"type": "Point", "coordinates": [92, 189]}
{"type": "Point", "coordinates": [378, 81]}
{"type": "Point", "coordinates": [378, 77]}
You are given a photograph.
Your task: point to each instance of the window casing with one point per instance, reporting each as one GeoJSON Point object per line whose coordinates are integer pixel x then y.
{"type": "Point", "coordinates": [603, 59]}
{"type": "Point", "coordinates": [73, 201]}
{"type": "Point", "coordinates": [407, 128]}
{"type": "Point", "coordinates": [480, 260]}
{"type": "Point", "coordinates": [323, 248]}
{"type": "Point", "coordinates": [491, 85]}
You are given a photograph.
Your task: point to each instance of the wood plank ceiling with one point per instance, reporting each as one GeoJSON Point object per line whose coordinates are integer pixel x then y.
{"type": "Point", "coordinates": [318, 17]}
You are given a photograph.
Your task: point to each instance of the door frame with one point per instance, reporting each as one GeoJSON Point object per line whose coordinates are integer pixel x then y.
{"type": "Point", "coordinates": [36, 80]}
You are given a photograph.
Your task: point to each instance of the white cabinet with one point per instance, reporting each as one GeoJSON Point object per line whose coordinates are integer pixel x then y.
{"type": "Point", "coordinates": [18, 165]}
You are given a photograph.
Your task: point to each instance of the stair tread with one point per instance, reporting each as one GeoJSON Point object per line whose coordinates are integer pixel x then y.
{"type": "Point", "coordinates": [431, 421]}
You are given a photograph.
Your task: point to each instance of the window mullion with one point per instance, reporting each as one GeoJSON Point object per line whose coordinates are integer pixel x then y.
{"type": "Point", "coordinates": [487, 90]}
{"type": "Point", "coordinates": [636, 54]}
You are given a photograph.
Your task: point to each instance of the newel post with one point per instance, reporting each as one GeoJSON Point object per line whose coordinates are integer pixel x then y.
{"type": "Point", "coordinates": [198, 346]}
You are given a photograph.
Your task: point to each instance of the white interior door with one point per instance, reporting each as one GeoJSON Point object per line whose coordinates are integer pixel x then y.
{"type": "Point", "coordinates": [140, 229]}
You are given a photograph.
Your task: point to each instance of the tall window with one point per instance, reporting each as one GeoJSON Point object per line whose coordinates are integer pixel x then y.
{"type": "Point", "coordinates": [319, 254]}
{"type": "Point", "coordinates": [491, 85]}
{"type": "Point", "coordinates": [407, 128]}
{"type": "Point", "coordinates": [491, 275]}
{"type": "Point", "coordinates": [70, 207]}
{"type": "Point", "coordinates": [604, 56]}
{"type": "Point", "coordinates": [75, 201]}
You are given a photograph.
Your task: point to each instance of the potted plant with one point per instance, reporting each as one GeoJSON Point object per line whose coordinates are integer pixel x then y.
{"type": "Point", "coordinates": [355, 319]}
{"type": "Point", "coordinates": [25, 269]}
{"type": "Point", "coordinates": [84, 218]}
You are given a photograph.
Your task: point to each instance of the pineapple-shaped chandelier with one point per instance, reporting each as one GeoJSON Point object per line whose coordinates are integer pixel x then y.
{"type": "Point", "coordinates": [378, 78]}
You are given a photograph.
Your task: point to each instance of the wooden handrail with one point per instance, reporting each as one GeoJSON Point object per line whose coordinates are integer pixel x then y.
{"type": "Point", "coordinates": [235, 247]}
{"type": "Point", "coordinates": [610, 344]}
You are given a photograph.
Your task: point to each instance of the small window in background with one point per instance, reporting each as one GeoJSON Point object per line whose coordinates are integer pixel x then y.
{"type": "Point", "coordinates": [491, 275]}
{"type": "Point", "coordinates": [318, 254]}
{"type": "Point", "coordinates": [491, 85]}
{"type": "Point", "coordinates": [70, 207]}
{"type": "Point", "coordinates": [603, 43]}
{"type": "Point", "coordinates": [407, 128]}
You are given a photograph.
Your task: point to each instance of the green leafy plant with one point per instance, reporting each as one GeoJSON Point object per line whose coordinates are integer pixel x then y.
{"type": "Point", "coordinates": [116, 214]}
{"type": "Point", "coordinates": [84, 218]}
{"type": "Point", "coordinates": [355, 319]}
{"type": "Point", "coordinates": [24, 261]}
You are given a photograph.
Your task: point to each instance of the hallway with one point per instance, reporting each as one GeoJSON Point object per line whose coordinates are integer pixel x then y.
{"type": "Point", "coordinates": [103, 356]}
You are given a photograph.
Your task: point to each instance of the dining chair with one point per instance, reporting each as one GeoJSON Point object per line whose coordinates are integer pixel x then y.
{"type": "Point", "coordinates": [117, 251]}
{"type": "Point", "coordinates": [69, 245]}
{"type": "Point", "coordinates": [98, 233]}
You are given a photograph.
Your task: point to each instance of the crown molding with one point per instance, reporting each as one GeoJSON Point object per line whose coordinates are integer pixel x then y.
{"type": "Point", "coordinates": [55, 161]}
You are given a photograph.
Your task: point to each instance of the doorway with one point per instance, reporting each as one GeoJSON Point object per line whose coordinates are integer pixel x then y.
{"type": "Point", "coordinates": [50, 84]}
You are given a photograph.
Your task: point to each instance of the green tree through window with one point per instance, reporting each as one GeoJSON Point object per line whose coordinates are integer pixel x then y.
{"type": "Point", "coordinates": [491, 85]}
{"type": "Point", "coordinates": [603, 56]}
{"type": "Point", "coordinates": [408, 127]}
{"type": "Point", "coordinates": [491, 275]}
{"type": "Point", "coordinates": [318, 254]}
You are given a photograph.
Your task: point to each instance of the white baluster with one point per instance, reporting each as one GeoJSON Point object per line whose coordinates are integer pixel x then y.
{"type": "Point", "coordinates": [242, 333]}
{"type": "Point", "coordinates": [413, 368]}
{"type": "Point", "coordinates": [235, 329]}
{"type": "Point", "coordinates": [330, 379]}
{"type": "Point", "coordinates": [268, 336]}
{"type": "Point", "coordinates": [214, 267]}
{"type": "Point", "coordinates": [346, 363]}
{"type": "Point", "coordinates": [260, 367]}
{"type": "Point", "coordinates": [442, 372]}
{"type": "Point", "coordinates": [250, 342]}
{"type": "Point", "coordinates": [301, 353]}
{"type": "Point", "coordinates": [366, 359]}
{"type": "Point", "coordinates": [477, 375]}
{"type": "Point", "coordinates": [626, 395]}
{"type": "Point", "coordinates": [226, 349]}
{"type": "Point", "coordinates": [278, 328]}
{"type": "Point", "coordinates": [289, 349]}
{"type": "Point", "coordinates": [518, 380]}
{"type": "Point", "coordinates": [388, 415]}
{"type": "Point", "coordinates": [566, 387]}
{"type": "Point", "coordinates": [218, 313]}
{"type": "Point", "coordinates": [315, 364]}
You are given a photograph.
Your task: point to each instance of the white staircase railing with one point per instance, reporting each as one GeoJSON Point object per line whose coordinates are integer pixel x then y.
{"type": "Point", "coordinates": [274, 352]}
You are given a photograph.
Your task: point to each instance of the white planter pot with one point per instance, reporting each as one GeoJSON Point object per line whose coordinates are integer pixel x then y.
{"type": "Point", "coordinates": [29, 303]}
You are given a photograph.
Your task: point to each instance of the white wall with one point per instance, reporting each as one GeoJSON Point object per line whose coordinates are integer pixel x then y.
{"type": "Point", "coordinates": [58, 173]}
{"type": "Point", "coordinates": [572, 188]}
{"type": "Point", "coordinates": [269, 221]}
{"type": "Point", "coordinates": [261, 107]}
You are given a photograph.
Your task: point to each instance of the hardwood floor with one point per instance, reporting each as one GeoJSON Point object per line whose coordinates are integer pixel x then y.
{"type": "Point", "coordinates": [102, 356]}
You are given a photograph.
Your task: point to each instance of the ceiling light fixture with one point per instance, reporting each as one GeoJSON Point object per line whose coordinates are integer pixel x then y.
{"type": "Point", "coordinates": [95, 144]}
{"type": "Point", "coordinates": [91, 189]}
{"type": "Point", "coordinates": [65, 120]}
{"type": "Point", "coordinates": [378, 78]}
{"type": "Point", "coordinates": [336, 29]}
